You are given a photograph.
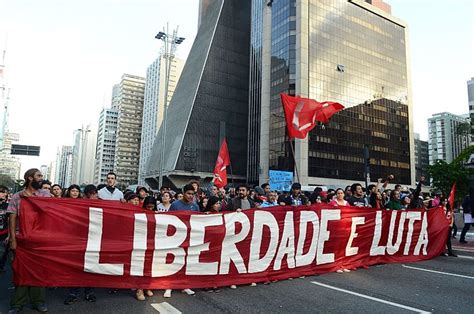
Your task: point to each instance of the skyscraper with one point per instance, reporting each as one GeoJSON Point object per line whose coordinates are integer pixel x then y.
{"type": "Point", "coordinates": [351, 52]}
{"type": "Point", "coordinates": [129, 128]}
{"type": "Point", "coordinates": [470, 96]}
{"type": "Point", "coordinates": [444, 142]}
{"type": "Point", "coordinates": [64, 166]}
{"type": "Point", "coordinates": [153, 104]}
{"type": "Point", "coordinates": [105, 151]}
{"type": "Point", "coordinates": [422, 160]}
{"type": "Point", "coordinates": [10, 164]}
{"type": "Point", "coordinates": [210, 101]}
{"type": "Point", "coordinates": [83, 157]}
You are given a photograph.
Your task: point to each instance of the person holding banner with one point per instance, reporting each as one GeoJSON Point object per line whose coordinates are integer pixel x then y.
{"type": "Point", "coordinates": [339, 200]}
{"type": "Point", "coordinates": [271, 200]}
{"type": "Point", "coordinates": [296, 197]}
{"type": "Point", "coordinates": [32, 187]}
{"type": "Point", "coordinates": [242, 201]}
{"type": "Point", "coordinates": [450, 217]}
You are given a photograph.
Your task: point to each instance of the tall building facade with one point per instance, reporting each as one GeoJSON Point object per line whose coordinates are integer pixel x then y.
{"type": "Point", "coordinates": [64, 166]}
{"type": "Point", "coordinates": [129, 127]}
{"type": "Point", "coordinates": [10, 164]}
{"type": "Point", "coordinates": [422, 159]}
{"type": "Point", "coordinates": [83, 156]}
{"type": "Point", "coordinates": [154, 102]}
{"type": "Point", "coordinates": [444, 142]}
{"type": "Point", "coordinates": [351, 52]}
{"type": "Point", "coordinates": [105, 148]}
{"type": "Point", "coordinates": [210, 101]}
{"type": "Point", "coordinates": [470, 96]}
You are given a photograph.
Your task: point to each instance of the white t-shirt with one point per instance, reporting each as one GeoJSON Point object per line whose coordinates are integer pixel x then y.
{"type": "Point", "coordinates": [105, 194]}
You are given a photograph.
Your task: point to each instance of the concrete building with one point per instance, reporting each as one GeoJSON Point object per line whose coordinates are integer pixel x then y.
{"type": "Point", "coordinates": [83, 156]}
{"type": "Point", "coordinates": [106, 138]}
{"type": "Point", "coordinates": [129, 104]}
{"type": "Point", "coordinates": [470, 96]}
{"type": "Point", "coordinates": [422, 160]}
{"type": "Point", "coordinates": [444, 143]}
{"type": "Point", "coordinates": [349, 51]}
{"type": "Point", "coordinates": [10, 164]}
{"type": "Point", "coordinates": [210, 101]}
{"type": "Point", "coordinates": [153, 104]}
{"type": "Point", "coordinates": [64, 166]}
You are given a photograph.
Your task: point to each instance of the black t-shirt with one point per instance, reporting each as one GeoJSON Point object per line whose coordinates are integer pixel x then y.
{"type": "Point", "coordinates": [357, 201]}
{"type": "Point", "coordinates": [3, 219]}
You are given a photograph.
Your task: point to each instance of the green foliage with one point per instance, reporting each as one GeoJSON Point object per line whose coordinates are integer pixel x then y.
{"type": "Point", "coordinates": [444, 175]}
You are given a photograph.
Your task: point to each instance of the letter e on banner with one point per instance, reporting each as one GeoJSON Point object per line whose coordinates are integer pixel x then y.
{"type": "Point", "coordinates": [326, 215]}
{"type": "Point", "coordinates": [350, 251]}
{"type": "Point", "coordinates": [229, 250]}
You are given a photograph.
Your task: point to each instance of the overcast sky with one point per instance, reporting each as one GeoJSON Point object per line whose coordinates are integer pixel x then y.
{"type": "Point", "coordinates": [64, 56]}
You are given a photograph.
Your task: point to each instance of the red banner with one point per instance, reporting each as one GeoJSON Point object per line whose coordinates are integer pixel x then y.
{"type": "Point", "coordinates": [108, 244]}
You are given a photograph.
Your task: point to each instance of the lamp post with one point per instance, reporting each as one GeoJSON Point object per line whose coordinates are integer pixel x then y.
{"type": "Point", "coordinates": [170, 42]}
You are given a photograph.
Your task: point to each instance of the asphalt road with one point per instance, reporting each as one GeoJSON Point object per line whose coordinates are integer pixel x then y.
{"type": "Point", "coordinates": [444, 284]}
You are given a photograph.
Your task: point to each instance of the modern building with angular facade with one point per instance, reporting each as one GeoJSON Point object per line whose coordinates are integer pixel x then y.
{"type": "Point", "coordinates": [210, 101]}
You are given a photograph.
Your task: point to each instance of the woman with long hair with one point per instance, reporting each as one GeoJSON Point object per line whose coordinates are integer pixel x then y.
{"type": "Point", "coordinates": [73, 191]}
{"type": "Point", "coordinates": [165, 204]}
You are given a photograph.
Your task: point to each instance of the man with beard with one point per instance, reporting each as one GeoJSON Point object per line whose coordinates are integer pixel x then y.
{"type": "Point", "coordinates": [242, 201]}
{"type": "Point", "coordinates": [32, 187]}
{"type": "Point", "coordinates": [110, 192]}
{"type": "Point", "coordinates": [357, 199]}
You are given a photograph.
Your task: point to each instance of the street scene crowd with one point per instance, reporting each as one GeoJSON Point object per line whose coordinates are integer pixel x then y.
{"type": "Point", "coordinates": [209, 199]}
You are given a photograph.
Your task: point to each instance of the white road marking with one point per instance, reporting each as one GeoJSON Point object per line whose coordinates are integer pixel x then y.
{"type": "Point", "coordinates": [409, 308]}
{"type": "Point", "coordinates": [438, 272]}
{"type": "Point", "coordinates": [165, 308]}
{"type": "Point", "coordinates": [462, 248]}
{"type": "Point", "coordinates": [465, 256]}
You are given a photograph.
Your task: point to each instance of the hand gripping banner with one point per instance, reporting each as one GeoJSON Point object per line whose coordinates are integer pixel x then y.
{"type": "Point", "coordinates": [108, 244]}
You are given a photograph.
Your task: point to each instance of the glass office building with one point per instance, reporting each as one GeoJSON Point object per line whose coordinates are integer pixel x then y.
{"type": "Point", "coordinates": [347, 51]}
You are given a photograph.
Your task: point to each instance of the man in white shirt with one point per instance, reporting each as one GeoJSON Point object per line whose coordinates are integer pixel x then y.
{"type": "Point", "coordinates": [110, 192]}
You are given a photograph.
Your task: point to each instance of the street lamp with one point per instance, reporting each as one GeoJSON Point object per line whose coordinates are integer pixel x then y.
{"type": "Point", "coordinates": [170, 43]}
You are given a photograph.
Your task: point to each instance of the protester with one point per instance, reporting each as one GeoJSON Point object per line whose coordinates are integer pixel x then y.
{"type": "Point", "coordinates": [179, 196]}
{"type": "Point", "coordinates": [56, 191]}
{"type": "Point", "coordinates": [266, 188]}
{"type": "Point", "coordinates": [339, 200]}
{"type": "Point", "coordinates": [203, 203]}
{"type": "Point", "coordinates": [165, 204]}
{"type": "Point", "coordinates": [46, 185]}
{"type": "Point", "coordinates": [271, 200]}
{"type": "Point", "coordinates": [213, 205]}
{"type": "Point", "coordinates": [4, 246]}
{"type": "Point", "coordinates": [315, 196]}
{"type": "Point", "coordinates": [149, 203]}
{"type": "Point", "coordinates": [467, 214]}
{"type": "Point", "coordinates": [188, 200]}
{"type": "Point", "coordinates": [296, 198]}
{"type": "Point", "coordinates": [357, 198]}
{"type": "Point", "coordinates": [133, 199]}
{"type": "Point", "coordinates": [142, 192]}
{"type": "Point", "coordinates": [395, 202]}
{"type": "Point", "coordinates": [213, 191]}
{"type": "Point", "coordinates": [32, 187]}
{"type": "Point", "coordinates": [110, 192]}
{"type": "Point", "coordinates": [450, 217]}
{"type": "Point", "coordinates": [73, 191]}
{"type": "Point", "coordinates": [242, 201]}
{"type": "Point", "coordinates": [90, 192]}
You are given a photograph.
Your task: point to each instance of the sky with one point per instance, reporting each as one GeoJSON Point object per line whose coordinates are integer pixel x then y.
{"type": "Point", "coordinates": [63, 57]}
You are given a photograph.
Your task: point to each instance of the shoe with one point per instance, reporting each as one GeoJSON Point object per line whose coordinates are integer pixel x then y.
{"type": "Point", "coordinates": [113, 291]}
{"type": "Point", "coordinates": [346, 270]}
{"type": "Point", "coordinates": [339, 271]}
{"type": "Point", "coordinates": [454, 237]}
{"type": "Point", "coordinates": [443, 254]}
{"type": "Point", "coordinates": [233, 287]}
{"type": "Point", "coordinates": [149, 293]}
{"type": "Point", "coordinates": [188, 291]}
{"type": "Point", "coordinates": [41, 308]}
{"type": "Point", "coordinates": [71, 299]}
{"type": "Point", "coordinates": [463, 241]}
{"type": "Point", "coordinates": [253, 284]}
{"type": "Point", "coordinates": [167, 293]}
{"type": "Point", "coordinates": [14, 310]}
{"type": "Point", "coordinates": [452, 254]}
{"type": "Point", "coordinates": [140, 296]}
{"type": "Point", "coordinates": [90, 298]}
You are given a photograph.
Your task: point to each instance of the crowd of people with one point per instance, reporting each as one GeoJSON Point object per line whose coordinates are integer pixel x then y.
{"type": "Point", "coordinates": [209, 199]}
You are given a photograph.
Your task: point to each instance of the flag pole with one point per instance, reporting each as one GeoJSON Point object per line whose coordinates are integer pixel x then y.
{"type": "Point", "coordinates": [294, 158]}
{"type": "Point", "coordinates": [231, 173]}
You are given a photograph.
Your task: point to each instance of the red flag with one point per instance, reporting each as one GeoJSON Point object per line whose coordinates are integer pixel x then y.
{"type": "Point", "coordinates": [301, 114]}
{"type": "Point", "coordinates": [451, 197]}
{"type": "Point", "coordinates": [220, 170]}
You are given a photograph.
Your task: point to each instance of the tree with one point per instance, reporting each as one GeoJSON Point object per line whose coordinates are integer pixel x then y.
{"type": "Point", "coordinates": [444, 175]}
